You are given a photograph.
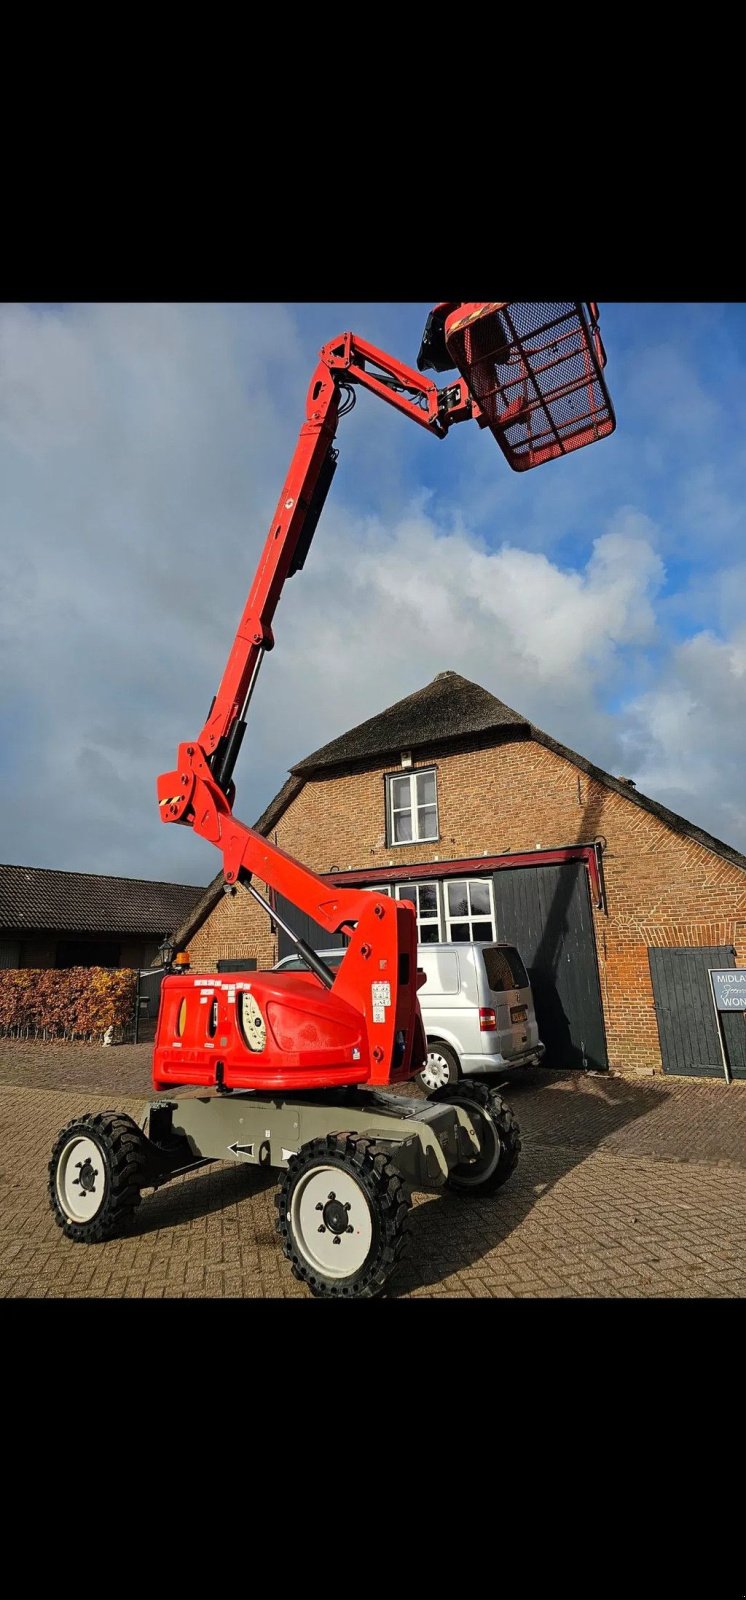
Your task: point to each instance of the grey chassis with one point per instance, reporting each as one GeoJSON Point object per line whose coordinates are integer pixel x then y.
{"type": "Point", "coordinates": [349, 1160]}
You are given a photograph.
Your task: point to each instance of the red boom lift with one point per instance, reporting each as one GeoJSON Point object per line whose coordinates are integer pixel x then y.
{"type": "Point", "coordinates": [289, 1069]}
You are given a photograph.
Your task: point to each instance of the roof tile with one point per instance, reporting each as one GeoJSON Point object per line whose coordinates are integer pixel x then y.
{"type": "Point", "coordinates": [86, 902]}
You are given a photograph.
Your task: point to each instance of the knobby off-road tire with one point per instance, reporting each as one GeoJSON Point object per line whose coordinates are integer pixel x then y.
{"type": "Point", "coordinates": [95, 1175]}
{"type": "Point", "coordinates": [342, 1216]}
{"type": "Point", "coordinates": [499, 1136]}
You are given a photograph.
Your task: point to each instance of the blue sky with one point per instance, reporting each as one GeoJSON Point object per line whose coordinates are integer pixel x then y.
{"type": "Point", "coordinates": [143, 451]}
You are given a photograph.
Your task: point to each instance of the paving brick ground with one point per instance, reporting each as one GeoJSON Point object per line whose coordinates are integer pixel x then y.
{"type": "Point", "coordinates": [625, 1188]}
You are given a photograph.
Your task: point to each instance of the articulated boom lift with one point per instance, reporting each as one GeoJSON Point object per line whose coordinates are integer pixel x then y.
{"type": "Point", "coordinates": [532, 374]}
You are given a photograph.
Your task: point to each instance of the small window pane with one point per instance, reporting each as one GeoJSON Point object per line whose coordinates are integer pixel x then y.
{"type": "Point", "coordinates": [458, 902]}
{"type": "Point", "coordinates": [482, 931]}
{"type": "Point", "coordinates": [402, 827]}
{"type": "Point", "coordinates": [408, 891]}
{"type": "Point", "coordinates": [428, 899]}
{"type": "Point", "coordinates": [427, 822]}
{"type": "Point", "coordinates": [400, 793]}
{"type": "Point", "coordinates": [426, 788]}
{"type": "Point", "coordinates": [460, 933]}
{"type": "Point", "coordinates": [480, 898]}
{"type": "Point", "coordinates": [428, 933]}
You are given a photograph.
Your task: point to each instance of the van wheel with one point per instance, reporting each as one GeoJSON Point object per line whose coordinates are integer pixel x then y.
{"type": "Point", "coordinates": [441, 1068]}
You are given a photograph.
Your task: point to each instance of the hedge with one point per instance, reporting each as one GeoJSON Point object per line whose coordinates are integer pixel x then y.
{"type": "Point", "coordinates": [74, 1003]}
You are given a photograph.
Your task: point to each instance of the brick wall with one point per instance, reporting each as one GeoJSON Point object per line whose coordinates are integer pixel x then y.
{"type": "Point", "coordinates": [237, 927]}
{"type": "Point", "coordinates": [662, 888]}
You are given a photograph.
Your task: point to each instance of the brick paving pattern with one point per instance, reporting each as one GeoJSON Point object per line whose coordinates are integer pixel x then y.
{"type": "Point", "coordinates": [624, 1189]}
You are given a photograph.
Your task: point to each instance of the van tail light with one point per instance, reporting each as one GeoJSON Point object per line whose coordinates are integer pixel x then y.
{"type": "Point", "coordinates": [487, 1019]}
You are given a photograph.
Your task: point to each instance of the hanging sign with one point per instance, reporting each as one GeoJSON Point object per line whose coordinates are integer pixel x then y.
{"type": "Point", "coordinates": [729, 988]}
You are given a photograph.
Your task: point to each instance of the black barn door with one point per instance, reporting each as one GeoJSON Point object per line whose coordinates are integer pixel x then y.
{"type": "Point", "coordinates": [686, 1018]}
{"type": "Point", "coordinates": [546, 913]}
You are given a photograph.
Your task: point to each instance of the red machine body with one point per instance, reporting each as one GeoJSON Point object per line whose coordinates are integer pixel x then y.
{"type": "Point", "coordinates": [361, 1024]}
{"type": "Point", "coordinates": [309, 1039]}
{"type": "Point", "coordinates": [367, 1029]}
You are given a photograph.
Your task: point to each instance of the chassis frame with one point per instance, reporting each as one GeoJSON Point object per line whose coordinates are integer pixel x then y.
{"type": "Point", "coordinates": [195, 1127]}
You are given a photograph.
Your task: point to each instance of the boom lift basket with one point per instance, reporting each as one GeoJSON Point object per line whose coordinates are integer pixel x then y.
{"type": "Point", "coordinates": [534, 369]}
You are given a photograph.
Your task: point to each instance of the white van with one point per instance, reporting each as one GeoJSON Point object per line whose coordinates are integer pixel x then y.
{"type": "Point", "coordinates": [477, 1009]}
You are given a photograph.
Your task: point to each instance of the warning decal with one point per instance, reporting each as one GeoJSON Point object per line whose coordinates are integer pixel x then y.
{"type": "Point", "coordinates": [381, 998]}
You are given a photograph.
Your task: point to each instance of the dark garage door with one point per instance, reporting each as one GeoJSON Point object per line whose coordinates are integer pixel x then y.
{"type": "Point", "coordinates": [305, 928]}
{"type": "Point", "coordinates": [686, 1017]}
{"type": "Point", "coordinates": [546, 912]}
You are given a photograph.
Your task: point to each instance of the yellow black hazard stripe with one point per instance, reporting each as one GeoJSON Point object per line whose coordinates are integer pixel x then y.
{"type": "Point", "coordinates": [463, 322]}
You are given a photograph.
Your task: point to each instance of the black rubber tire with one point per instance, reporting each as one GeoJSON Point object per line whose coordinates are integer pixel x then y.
{"type": "Point", "coordinates": [388, 1200]}
{"type": "Point", "coordinates": [122, 1148]}
{"type": "Point", "coordinates": [503, 1129]}
{"type": "Point", "coordinates": [454, 1067]}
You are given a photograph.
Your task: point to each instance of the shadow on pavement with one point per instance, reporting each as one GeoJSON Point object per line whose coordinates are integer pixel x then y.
{"type": "Point", "coordinates": [563, 1118]}
{"type": "Point", "coordinates": [199, 1195]}
{"type": "Point", "coordinates": [450, 1234]}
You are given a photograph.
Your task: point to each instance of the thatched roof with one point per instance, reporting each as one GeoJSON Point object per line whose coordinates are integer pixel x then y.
{"type": "Point", "coordinates": [448, 708]}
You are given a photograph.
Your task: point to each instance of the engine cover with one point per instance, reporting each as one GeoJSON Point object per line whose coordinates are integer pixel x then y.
{"type": "Point", "coordinates": [261, 1030]}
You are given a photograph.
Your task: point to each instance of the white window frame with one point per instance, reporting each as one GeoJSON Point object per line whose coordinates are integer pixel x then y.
{"type": "Point", "coordinates": [417, 838]}
{"type": "Point", "coordinates": [470, 918]}
{"type": "Point", "coordinates": [431, 920]}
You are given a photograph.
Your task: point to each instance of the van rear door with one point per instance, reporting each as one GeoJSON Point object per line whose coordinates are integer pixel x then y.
{"type": "Point", "coordinates": [517, 1028]}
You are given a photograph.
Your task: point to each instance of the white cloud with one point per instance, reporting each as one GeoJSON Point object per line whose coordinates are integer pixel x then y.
{"type": "Point", "coordinates": [383, 609]}
{"type": "Point", "coordinates": [141, 449]}
{"type": "Point", "coordinates": [691, 732]}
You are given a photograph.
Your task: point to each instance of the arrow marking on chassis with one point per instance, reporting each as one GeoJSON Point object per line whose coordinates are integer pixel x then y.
{"type": "Point", "coordinates": [241, 1149]}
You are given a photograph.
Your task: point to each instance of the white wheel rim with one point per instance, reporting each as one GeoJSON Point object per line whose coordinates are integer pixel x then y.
{"type": "Point", "coordinates": [320, 1198]}
{"type": "Point", "coordinates": [81, 1179]}
{"type": "Point", "coordinates": [474, 1173]}
{"type": "Point", "coordinates": [436, 1073]}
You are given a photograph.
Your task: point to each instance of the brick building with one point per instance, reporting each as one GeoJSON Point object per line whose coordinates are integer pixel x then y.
{"type": "Point", "coordinates": [84, 919]}
{"type": "Point", "coordinates": [495, 830]}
